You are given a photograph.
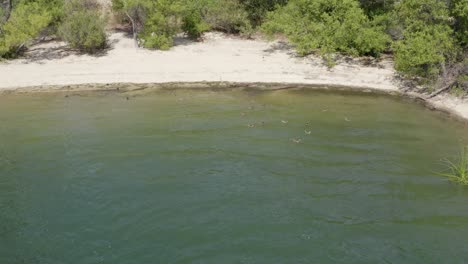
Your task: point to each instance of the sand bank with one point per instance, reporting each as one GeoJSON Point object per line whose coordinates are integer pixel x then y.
{"type": "Point", "coordinates": [219, 58]}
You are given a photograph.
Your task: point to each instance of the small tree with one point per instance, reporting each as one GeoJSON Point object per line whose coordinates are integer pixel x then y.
{"type": "Point", "coordinates": [327, 26]}
{"type": "Point", "coordinates": [425, 52]}
{"type": "Point", "coordinates": [162, 23]}
{"type": "Point", "coordinates": [459, 10]}
{"type": "Point", "coordinates": [228, 16]}
{"type": "Point", "coordinates": [83, 26]}
{"type": "Point", "coordinates": [25, 22]}
{"type": "Point", "coordinates": [135, 11]}
{"type": "Point", "coordinates": [154, 22]}
{"type": "Point", "coordinates": [427, 42]}
{"type": "Point", "coordinates": [257, 9]}
{"type": "Point", "coordinates": [193, 24]}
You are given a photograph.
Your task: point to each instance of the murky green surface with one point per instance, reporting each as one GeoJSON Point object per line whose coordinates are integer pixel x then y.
{"type": "Point", "coordinates": [183, 177]}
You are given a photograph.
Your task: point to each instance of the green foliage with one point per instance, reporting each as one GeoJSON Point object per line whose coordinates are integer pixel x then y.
{"type": "Point", "coordinates": [2, 16]}
{"type": "Point", "coordinates": [463, 78]}
{"type": "Point", "coordinates": [457, 170]}
{"type": "Point", "coordinates": [257, 9]}
{"type": "Point", "coordinates": [26, 21]}
{"type": "Point", "coordinates": [376, 7]}
{"type": "Point", "coordinates": [133, 10]}
{"type": "Point", "coordinates": [328, 26]}
{"type": "Point", "coordinates": [156, 22]}
{"type": "Point", "coordinates": [83, 27]}
{"type": "Point", "coordinates": [457, 91]}
{"type": "Point", "coordinates": [425, 35]}
{"type": "Point", "coordinates": [416, 15]}
{"type": "Point", "coordinates": [459, 11]}
{"type": "Point", "coordinates": [421, 53]}
{"type": "Point", "coordinates": [56, 10]}
{"type": "Point", "coordinates": [194, 25]}
{"type": "Point", "coordinates": [161, 25]}
{"type": "Point", "coordinates": [427, 42]}
{"type": "Point", "coordinates": [228, 16]}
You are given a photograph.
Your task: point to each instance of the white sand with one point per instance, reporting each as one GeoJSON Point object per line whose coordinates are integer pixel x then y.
{"type": "Point", "coordinates": [217, 58]}
{"type": "Point", "coordinates": [452, 104]}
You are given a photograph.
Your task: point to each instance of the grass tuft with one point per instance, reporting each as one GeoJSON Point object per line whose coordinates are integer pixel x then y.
{"type": "Point", "coordinates": [457, 170]}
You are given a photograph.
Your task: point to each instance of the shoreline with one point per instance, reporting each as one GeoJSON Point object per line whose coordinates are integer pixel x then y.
{"type": "Point", "coordinates": [219, 61]}
{"type": "Point", "coordinates": [134, 89]}
{"type": "Point", "coordinates": [218, 58]}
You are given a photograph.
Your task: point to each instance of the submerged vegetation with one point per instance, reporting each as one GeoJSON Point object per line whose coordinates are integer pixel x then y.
{"type": "Point", "coordinates": [457, 170]}
{"type": "Point", "coordinates": [427, 38]}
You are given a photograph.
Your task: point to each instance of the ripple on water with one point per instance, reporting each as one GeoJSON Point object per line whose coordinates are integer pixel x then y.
{"type": "Point", "coordinates": [97, 179]}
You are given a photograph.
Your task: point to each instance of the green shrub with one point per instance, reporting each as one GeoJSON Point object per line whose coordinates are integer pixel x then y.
{"type": "Point", "coordinates": [162, 23]}
{"type": "Point", "coordinates": [2, 16]}
{"type": "Point", "coordinates": [193, 24]}
{"type": "Point", "coordinates": [132, 11]}
{"type": "Point", "coordinates": [422, 53]}
{"type": "Point", "coordinates": [376, 7]}
{"type": "Point", "coordinates": [257, 9]}
{"type": "Point", "coordinates": [228, 16]}
{"type": "Point", "coordinates": [459, 10]}
{"type": "Point", "coordinates": [415, 15]}
{"type": "Point", "coordinates": [26, 21]}
{"type": "Point", "coordinates": [84, 27]}
{"type": "Point", "coordinates": [327, 26]}
{"type": "Point", "coordinates": [156, 22]}
{"type": "Point", "coordinates": [162, 41]}
{"type": "Point", "coordinates": [427, 42]}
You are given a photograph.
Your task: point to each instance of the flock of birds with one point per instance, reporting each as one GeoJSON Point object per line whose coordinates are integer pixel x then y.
{"type": "Point", "coordinates": [285, 122]}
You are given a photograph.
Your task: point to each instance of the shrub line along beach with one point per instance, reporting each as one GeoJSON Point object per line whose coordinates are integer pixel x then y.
{"type": "Point", "coordinates": [219, 58]}
{"type": "Point", "coordinates": [415, 47]}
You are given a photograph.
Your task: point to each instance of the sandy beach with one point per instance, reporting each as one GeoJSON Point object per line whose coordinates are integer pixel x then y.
{"type": "Point", "coordinates": [218, 58]}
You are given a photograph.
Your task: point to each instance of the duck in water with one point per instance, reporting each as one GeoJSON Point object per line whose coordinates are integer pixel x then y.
{"type": "Point", "coordinates": [307, 132]}
{"type": "Point", "coordinates": [296, 140]}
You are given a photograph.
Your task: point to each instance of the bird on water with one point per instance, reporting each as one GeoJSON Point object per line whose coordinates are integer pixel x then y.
{"type": "Point", "coordinates": [296, 140]}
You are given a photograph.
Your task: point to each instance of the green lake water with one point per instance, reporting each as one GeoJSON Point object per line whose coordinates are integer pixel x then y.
{"type": "Point", "coordinates": [198, 176]}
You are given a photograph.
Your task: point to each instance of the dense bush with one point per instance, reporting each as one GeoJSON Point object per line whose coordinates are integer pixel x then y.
{"type": "Point", "coordinates": [425, 52]}
{"type": "Point", "coordinates": [133, 12]}
{"type": "Point", "coordinates": [194, 25]}
{"type": "Point", "coordinates": [83, 26]}
{"type": "Point", "coordinates": [427, 42]}
{"type": "Point", "coordinates": [156, 22]}
{"type": "Point", "coordinates": [2, 16]}
{"type": "Point", "coordinates": [415, 15]}
{"type": "Point", "coordinates": [257, 9]}
{"type": "Point", "coordinates": [228, 16]}
{"type": "Point", "coordinates": [25, 22]}
{"type": "Point", "coordinates": [427, 37]}
{"type": "Point", "coordinates": [162, 23]}
{"type": "Point", "coordinates": [376, 7]}
{"type": "Point", "coordinates": [459, 10]}
{"type": "Point", "coordinates": [327, 26]}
